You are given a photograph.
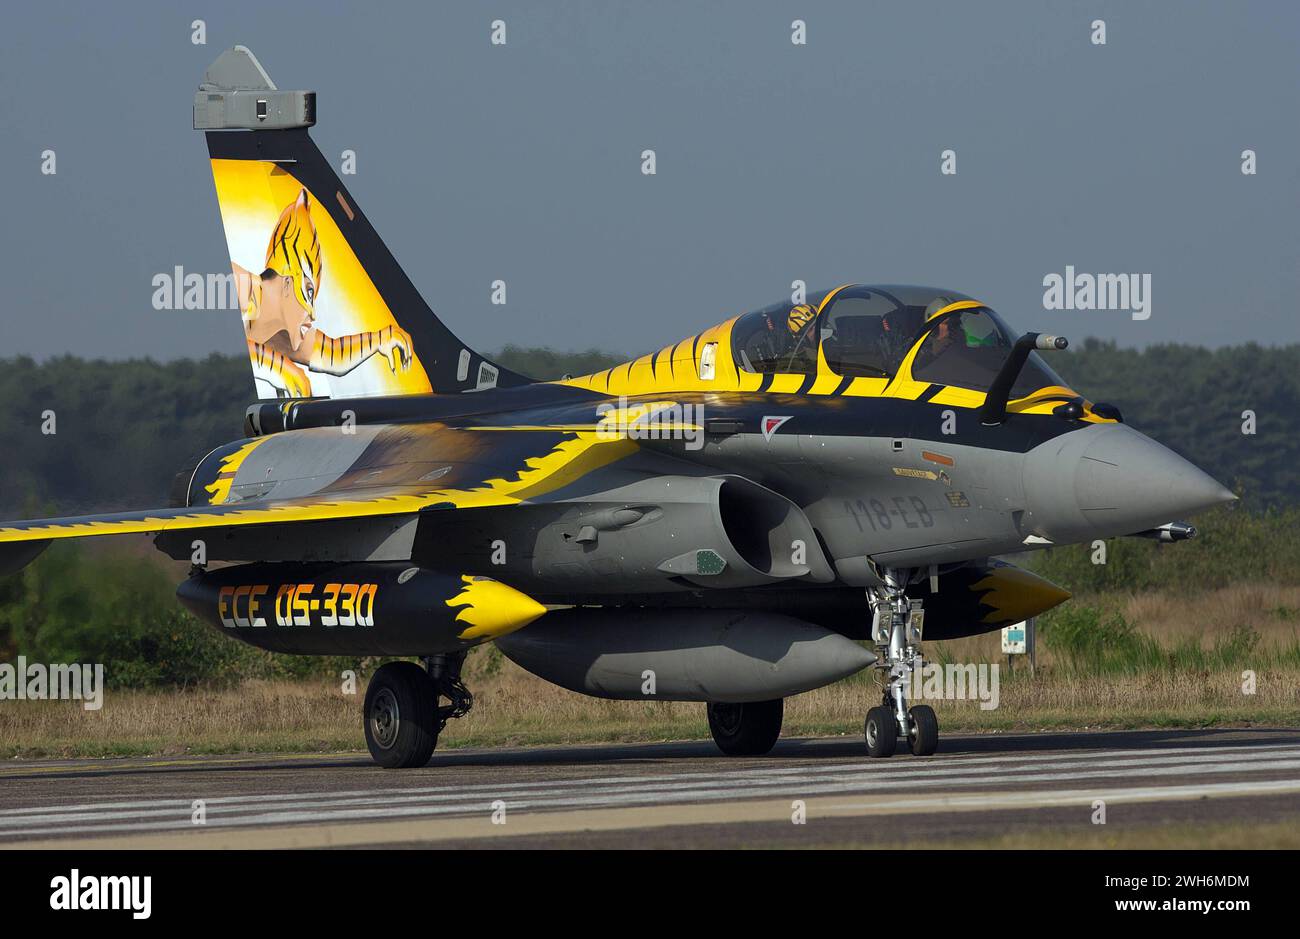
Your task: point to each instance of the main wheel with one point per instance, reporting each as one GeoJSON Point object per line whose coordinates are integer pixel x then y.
{"type": "Point", "coordinates": [746, 729]}
{"type": "Point", "coordinates": [401, 714]}
{"type": "Point", "coordinates": [923, 735]}
{"type": "Point", "coordinates": [881, 731]}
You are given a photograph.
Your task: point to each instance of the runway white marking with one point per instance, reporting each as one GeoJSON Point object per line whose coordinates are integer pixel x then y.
{"type": "Point", "coordinates": [737, 775]}
{"type": "Point", "coordinates": [886, 782]}
{"type": "Point", "coordinates": [17, 818]}
{"type": "Point", "coordinates": [1049, 799]}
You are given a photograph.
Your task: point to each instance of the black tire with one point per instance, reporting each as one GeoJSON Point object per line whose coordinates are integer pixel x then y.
{"type": "Point", "coordinates": [400, 716]}
{"type": "Point", "coordinates": [881, 731]}
{"type": "Point", "coordinates": [746, 729]}
{"type": "Point", "coordinates": [923, 735]}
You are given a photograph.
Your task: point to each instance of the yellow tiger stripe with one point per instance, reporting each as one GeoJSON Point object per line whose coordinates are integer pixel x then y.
{"type": "Point", "coordinates": [959, 397]}
{"type": "Point", "coordinates": [866, 388]}
{"type": "Point", "coordinates": [676, 368]}
{"type": "Point", "coordinates": [785, 384]}
{"type": "Point", "coordinates": [825, 384]}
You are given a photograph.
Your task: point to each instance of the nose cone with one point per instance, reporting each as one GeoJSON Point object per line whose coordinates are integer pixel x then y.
{"type": "Point", "coordinates": [1111, 480]}
{"type": "Point", "coordinates": [1132, 476]}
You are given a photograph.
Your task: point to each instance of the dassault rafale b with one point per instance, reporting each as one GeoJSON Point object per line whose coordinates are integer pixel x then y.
{"type": "Point", "coordinates": [787, 498]}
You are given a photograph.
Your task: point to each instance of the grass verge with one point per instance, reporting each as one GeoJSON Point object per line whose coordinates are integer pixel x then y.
{"type": "Point", "coordinates": [1111, 661]}
{"type": "Point", "coordinates": [514, 708]}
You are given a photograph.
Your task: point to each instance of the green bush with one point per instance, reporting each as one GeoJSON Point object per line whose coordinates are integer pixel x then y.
{"type": "Point", "coordinates": [80, 605]}
{"type": "Point", "coordinates": [1088, 641]}
{"type": "Point", "coordinates": [1233, 545]}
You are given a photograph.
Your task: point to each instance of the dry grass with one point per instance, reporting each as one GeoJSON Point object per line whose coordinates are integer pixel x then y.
{"type": "Point", "coordinates": [513, 707]}
{"type": "Point", "coordinates": [1271, 610]}
{"type": "Point", "coordinates": [258, 715]}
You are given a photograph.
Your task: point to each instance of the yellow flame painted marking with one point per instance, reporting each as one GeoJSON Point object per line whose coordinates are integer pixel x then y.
{"type": "Point", "coordinates": [491, 609]}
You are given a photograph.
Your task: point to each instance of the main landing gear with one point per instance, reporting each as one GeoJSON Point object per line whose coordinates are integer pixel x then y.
{"type": "Point", "coordinates": [746, 729]}
{"type": "Point", "coordinates": [896, 627]}
{"type": "Point", "coordinates": [402, 715]}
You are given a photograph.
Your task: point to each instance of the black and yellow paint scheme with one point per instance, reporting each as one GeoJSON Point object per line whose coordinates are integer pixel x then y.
{"type": "Point", "coordinates": [357, 609]}
{"type": "Point", "coordinates": [419, 456]}
{"type": "Point", "coordinates": [422, 498]}
{"type": "Point", "coordinates": [979, 598]}
{"type": "Point", "coordinates": [709, 362]}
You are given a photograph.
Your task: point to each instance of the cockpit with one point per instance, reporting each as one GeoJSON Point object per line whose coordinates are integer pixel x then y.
{"type": "Point", "coordinates": [872, 332]}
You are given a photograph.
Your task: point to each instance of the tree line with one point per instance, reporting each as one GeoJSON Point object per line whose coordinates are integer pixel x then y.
{"type": "Point", "coordinates": [89, 435]}
{"type": "Point", "coordinates": [123, 429]}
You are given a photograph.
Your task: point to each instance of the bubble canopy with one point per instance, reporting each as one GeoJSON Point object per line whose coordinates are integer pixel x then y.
{"type": "Point", "coordinates": [869, 330]}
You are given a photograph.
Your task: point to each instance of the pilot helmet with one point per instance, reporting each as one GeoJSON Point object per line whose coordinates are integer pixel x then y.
{"type": "Point", "coordinates": [800, 316]}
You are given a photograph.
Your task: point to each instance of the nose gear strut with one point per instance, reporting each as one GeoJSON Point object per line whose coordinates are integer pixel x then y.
{"type": "Point", "coordinates": [897, 623]}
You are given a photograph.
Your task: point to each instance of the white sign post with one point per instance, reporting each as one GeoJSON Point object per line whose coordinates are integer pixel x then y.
{"type": "Point", "coordinates": [1018, 639]}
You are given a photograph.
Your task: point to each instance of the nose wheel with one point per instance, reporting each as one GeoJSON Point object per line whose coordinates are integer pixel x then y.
{"type": "Point", "coordinates": [896, 628]}
{"type": "Point", "coordinates": [881, 731]}
{"type": "Point", "coordinates": [923, 736]}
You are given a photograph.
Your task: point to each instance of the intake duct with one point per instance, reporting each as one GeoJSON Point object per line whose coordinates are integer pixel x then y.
{"type": "Point", "coordinates": [710, 531]}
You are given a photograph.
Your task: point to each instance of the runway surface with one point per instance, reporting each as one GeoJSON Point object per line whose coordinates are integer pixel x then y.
{"type": "Point", "coordinates": [652, 795]}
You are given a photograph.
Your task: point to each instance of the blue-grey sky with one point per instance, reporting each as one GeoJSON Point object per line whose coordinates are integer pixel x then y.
{"type": "Point", "coordinates": [775, 162]}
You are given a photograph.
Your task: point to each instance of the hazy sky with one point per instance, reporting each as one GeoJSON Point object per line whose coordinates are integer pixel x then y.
{"type": "Point", "coordinates": [775, 161]}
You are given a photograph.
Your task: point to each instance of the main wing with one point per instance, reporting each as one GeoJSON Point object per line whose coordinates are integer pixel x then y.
{"type": "Point", "coordinates": [324, 474]}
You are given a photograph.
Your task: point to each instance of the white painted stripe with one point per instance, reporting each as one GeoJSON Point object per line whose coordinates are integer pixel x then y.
{"type": "Point", "coordinates": [1073, 796]}
{"type": "Point", "coordinates": [742, 775]}
{"type": "Point", "coordinates": [614, 784]}
{"type": "Point", "coordinates": [224, 808]}
{"type": "Point", "coordinates": [815, 787]}
{"type": "Point", "coordinates": [215, 807]}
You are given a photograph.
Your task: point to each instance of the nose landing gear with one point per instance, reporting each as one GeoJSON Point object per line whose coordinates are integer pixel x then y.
{"type": "Point", "coordinates": [896, 627]}
{"type": "Point", "coordinates": [923, 735]}
{"type": "Point", "coordinates": [881, 731]}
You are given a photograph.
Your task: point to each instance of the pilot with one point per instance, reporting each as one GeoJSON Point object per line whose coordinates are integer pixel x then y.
{"type": "Point", "coordinates": [895, 339]}
{"type": "Point", "coordinates": [800, 323]}
{"type": "Point", "coordinates": [937, 304]}
{"type": "Point", "coordinates": [799, 318]}
{"type": "Point", "coordinates": [785, 339]}
{"type": "Point", "coordinates": [948, 332]}
{"type": "Point", "coordinates": [946, 335]}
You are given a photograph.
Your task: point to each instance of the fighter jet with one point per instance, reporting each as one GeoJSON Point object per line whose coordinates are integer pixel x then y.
{"type": "Point", "coordinates": [787, 498]}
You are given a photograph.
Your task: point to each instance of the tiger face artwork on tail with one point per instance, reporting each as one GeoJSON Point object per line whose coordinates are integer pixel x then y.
{"type": "Point", "coordinates": [278, 306]}
{"type": "Point", "coordinates": [315, 323]}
